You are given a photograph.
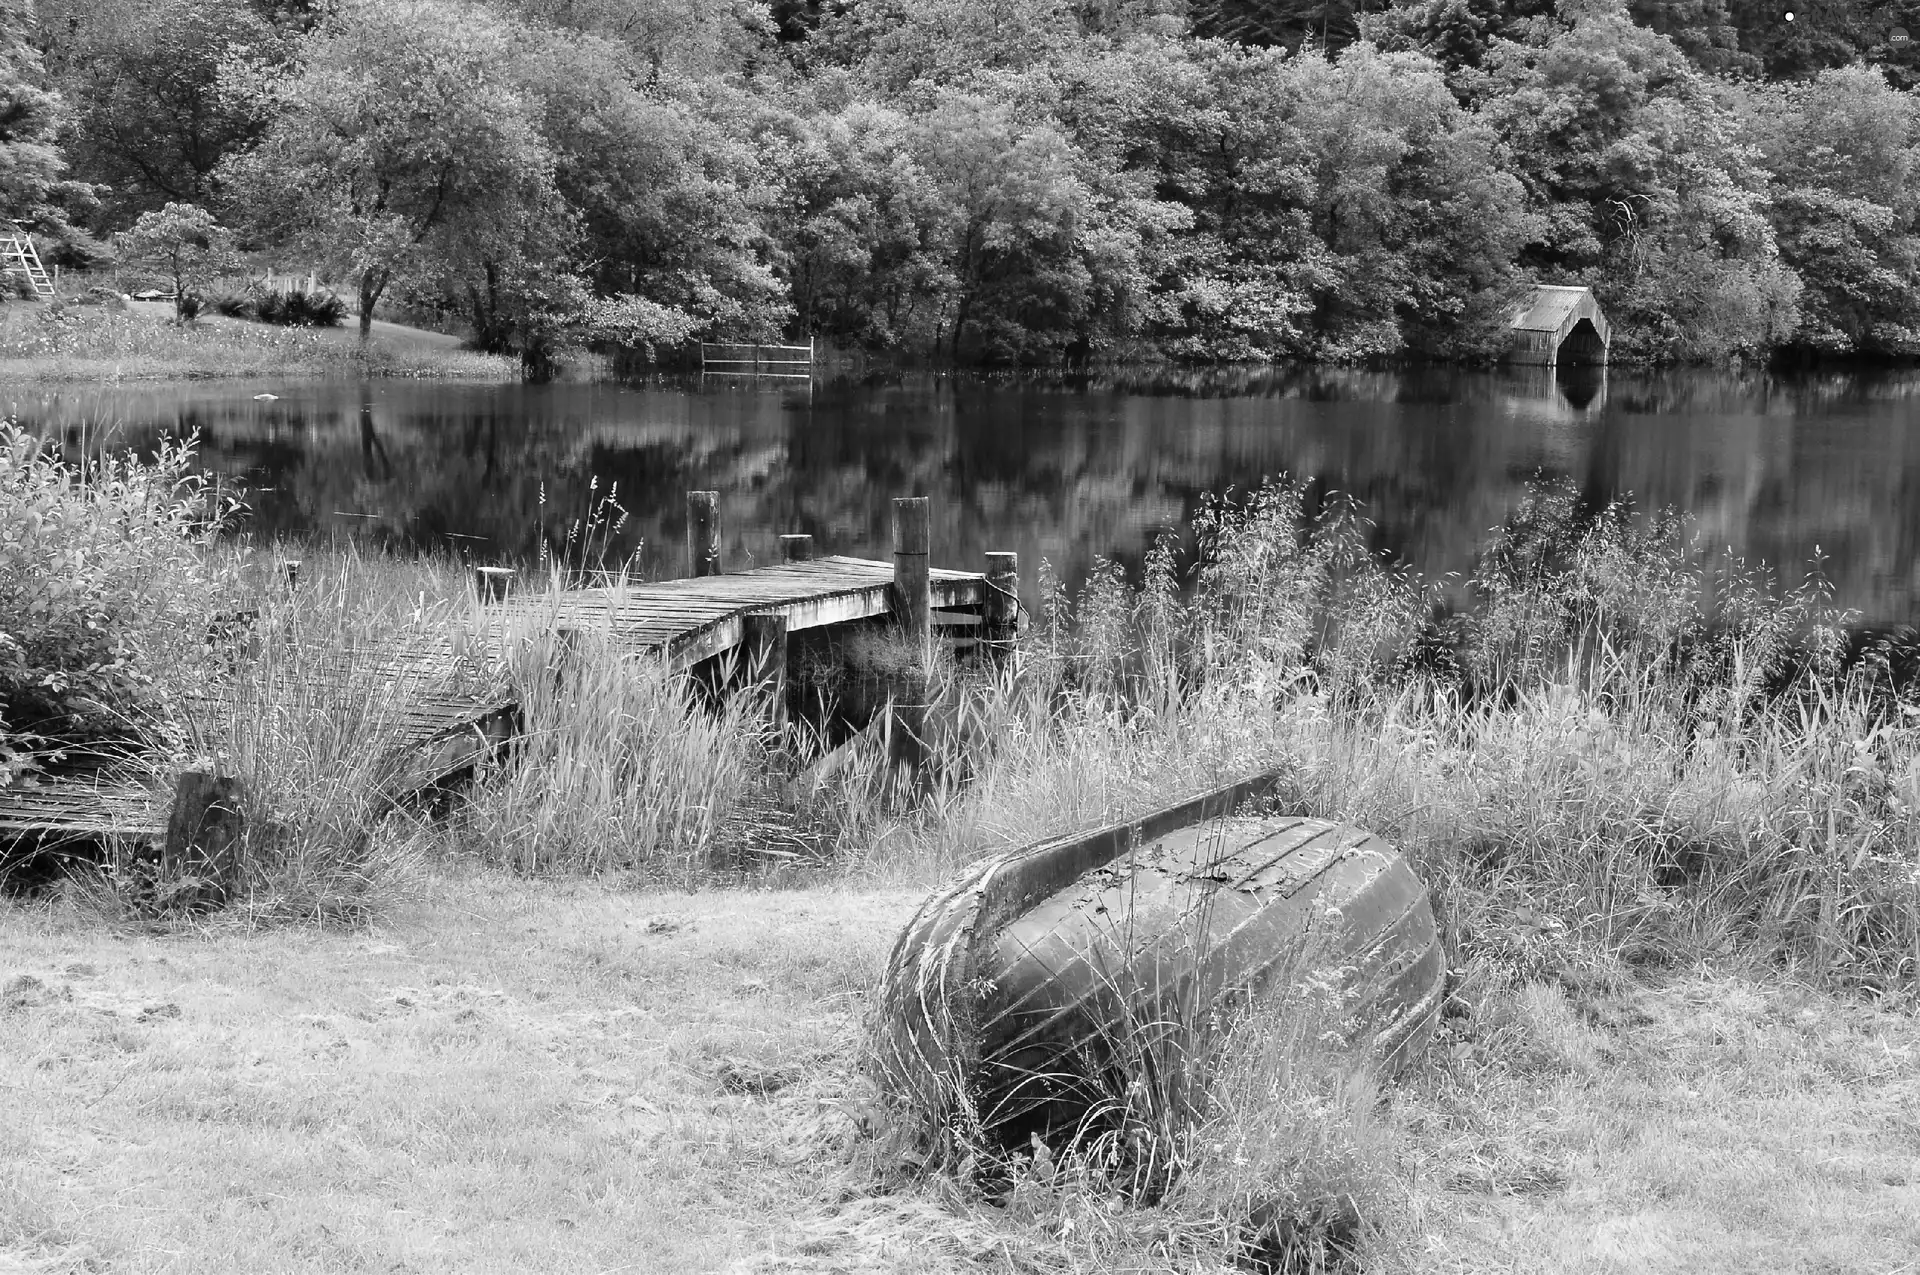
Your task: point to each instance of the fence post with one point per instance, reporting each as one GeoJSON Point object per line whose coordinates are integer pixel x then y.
{"type": "Point", "coordinates": [1000, 617]}
{"type": "Point", "coordinates": [703, 532]}
{"type": "Point", "coordinates": [796, 548]}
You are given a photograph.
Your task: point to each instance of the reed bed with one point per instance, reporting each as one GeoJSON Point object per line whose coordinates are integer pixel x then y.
{"type": "Point", "coordinates": [619, 765]}
{"type": "Point", "coordinates": [1607, 748]}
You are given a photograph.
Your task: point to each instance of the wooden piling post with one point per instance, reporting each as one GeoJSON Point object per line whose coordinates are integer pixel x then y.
{"type": "Point", "coordinates": [290, 573]}
{"type": "Point", "coordinates": [796, 548]}
{"type": "Point", "coordinates": [492, 584]}
{"type": "Point", "coordinates": [1000, 617]}
{"type": "Point", "coordinates": [765, 652]}
{"type": "Point", "coordinates": [913, 608]}
{"type": "Point", "coordinates": [568, 656]}
{"type": "Point", "coordinates": [912, 581]}
{"type": "Point", "coordinates": [204, 831]}
{"type": "Point", "coordinates": [703, 532]}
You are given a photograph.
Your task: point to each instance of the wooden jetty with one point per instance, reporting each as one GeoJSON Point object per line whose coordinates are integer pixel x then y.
{"type": "Point", "coordinates": [447, 705]}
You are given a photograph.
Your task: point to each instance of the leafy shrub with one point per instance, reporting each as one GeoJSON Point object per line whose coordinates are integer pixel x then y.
{"type": "Point", "coordinates": [106, 596]}
{"type": "Point", "coordinates": [271, 307]}
{"type": "Point", "coordinates": [188, 305]}
{"type": "Point", "coordinates": [301, 309]}
{"type": "Point", "coordinates": [235, 305]}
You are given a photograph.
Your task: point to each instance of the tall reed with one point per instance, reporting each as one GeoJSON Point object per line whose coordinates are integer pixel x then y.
{"type": "Point", "coordinates": [312, 725]}
{"type": "Point", "coordinates": [619, 765]}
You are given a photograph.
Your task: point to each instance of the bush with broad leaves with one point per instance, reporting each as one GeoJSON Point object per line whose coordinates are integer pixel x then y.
{"type": "Point", "coordinates": [109, 591]}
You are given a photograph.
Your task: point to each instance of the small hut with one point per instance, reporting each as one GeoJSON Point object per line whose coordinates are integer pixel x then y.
{"type": "Point", "coordinates": [1560, 325]}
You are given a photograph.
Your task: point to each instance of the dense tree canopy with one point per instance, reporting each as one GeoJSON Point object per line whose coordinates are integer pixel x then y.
{"type": "Point", "coordinates": [1015, 180]}
{"type": "Point", "coordinates": [153, 119]}
{"type": "Point", "coordinates": [34, 189]}
{"type": "Point", "coordinates": [402, 147]}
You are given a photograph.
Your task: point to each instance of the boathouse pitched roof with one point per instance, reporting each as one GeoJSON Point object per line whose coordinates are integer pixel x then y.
{"type": "Point", "coordinates": [1560, 324]}
{"type": "Point", "coordinates": [1551, 306]}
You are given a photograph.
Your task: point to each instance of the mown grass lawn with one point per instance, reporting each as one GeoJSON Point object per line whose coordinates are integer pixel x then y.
{"type": "Point", "coordinates": [75, 343]}
{"type": "Point", "coordinates": [507, 1075]}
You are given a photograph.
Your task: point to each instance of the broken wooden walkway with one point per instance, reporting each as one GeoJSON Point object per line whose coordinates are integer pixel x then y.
{"type": "Point", "coordinates": [449, 706]}
{"type": "Point", "coordinates": [692, 620]}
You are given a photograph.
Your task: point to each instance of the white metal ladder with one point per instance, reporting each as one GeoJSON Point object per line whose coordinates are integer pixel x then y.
{"type": "Point", "coordinates": [17, 256]}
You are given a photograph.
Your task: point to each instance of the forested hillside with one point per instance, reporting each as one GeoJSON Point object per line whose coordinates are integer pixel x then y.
{"type": "Point", "coordinates": [1008, 180]}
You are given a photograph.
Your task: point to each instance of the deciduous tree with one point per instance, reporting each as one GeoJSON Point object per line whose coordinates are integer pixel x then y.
{"type": "Point", "coordinates": [153, 119]}
{"type": "Point", "coordinates": [401, 143]}
{"type": "Point", "coordinates": [1843, 151]}
{"type": "Point", "coordinates": [1631, 158]}
{"type": "Point", "coordinates": [184, 243]}
{"type": "Point", "coordinates": [34, 189]}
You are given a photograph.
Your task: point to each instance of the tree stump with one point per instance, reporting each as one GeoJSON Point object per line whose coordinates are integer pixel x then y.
{"type": "Point", "coordinates": [205, 832]}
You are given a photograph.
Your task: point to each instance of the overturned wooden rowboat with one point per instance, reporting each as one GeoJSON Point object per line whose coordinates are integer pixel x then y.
{"type": "Point", "coordinates": [1013, 984]}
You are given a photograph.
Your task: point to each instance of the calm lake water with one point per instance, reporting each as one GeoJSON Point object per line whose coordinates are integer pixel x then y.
{"type": "Point", "coordinates": [1770, 467]}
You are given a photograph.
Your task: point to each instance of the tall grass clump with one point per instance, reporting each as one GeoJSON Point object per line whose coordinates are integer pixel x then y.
{"type": "Point", "coordinates": [314, 725]}
{"type": "Point", "coordinates": [109, 584]}
{"type": "Point", "coordinates": [1127, 697]}
{"type": "Point", "coordinates": [1234, 1131]}
{"type": "Point", "coordinates": [619, 764]}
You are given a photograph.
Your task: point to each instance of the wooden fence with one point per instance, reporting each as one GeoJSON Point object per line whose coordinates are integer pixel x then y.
{"type": "Point", "coordinates": [757, 360]}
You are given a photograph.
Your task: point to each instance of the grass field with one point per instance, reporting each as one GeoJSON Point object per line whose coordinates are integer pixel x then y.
{"type": "Point", "coordinates": [515, 1075]}
{"type": "Point", "coordinates": [91, 343]}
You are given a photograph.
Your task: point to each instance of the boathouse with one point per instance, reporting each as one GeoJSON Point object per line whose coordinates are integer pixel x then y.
{"type": "Point", "coordinates": [1560, 325]}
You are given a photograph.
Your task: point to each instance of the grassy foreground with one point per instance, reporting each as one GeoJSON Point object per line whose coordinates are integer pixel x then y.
{"type": "Point", "coordinates": [510, 1075]}
{"type": "Point", "coordinates": [1671, 829]}
{"type": "Point", "coordinates": [92, 343]}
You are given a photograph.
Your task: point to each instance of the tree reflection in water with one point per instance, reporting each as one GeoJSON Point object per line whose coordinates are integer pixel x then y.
{"type": "Point", "coordinates": [1066, 467]}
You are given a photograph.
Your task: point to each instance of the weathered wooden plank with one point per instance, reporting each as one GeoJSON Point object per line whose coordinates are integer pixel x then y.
{"type": "Point", "coordinates": [82, 807]}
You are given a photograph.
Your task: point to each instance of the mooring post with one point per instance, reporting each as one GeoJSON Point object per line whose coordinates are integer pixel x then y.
{"type": "Point", "coordinates": [204, 831]}
{"type": "Point", "coordinates": [568, 657]}
{"type": "Point", "coordinates": [290, 573]}
{"type": "Point", "coordinates": [703, 532]}
{"type": "Point", "coordinates": [766, 660]}
{"type": "Point", "coordinates": [796, 548]}
{"type": "Point", "coordinates": [912, 582]}
{"type": "Point", "coordinates": [913, 606]}
{"type": "Point", "coordinates": [1000, 617]}
{"type": "Point", "coordinates": [492, 584]}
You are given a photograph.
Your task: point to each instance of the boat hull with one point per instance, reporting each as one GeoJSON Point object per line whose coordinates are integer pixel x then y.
{"type": "Point", "coordinates": [1014, 993]}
